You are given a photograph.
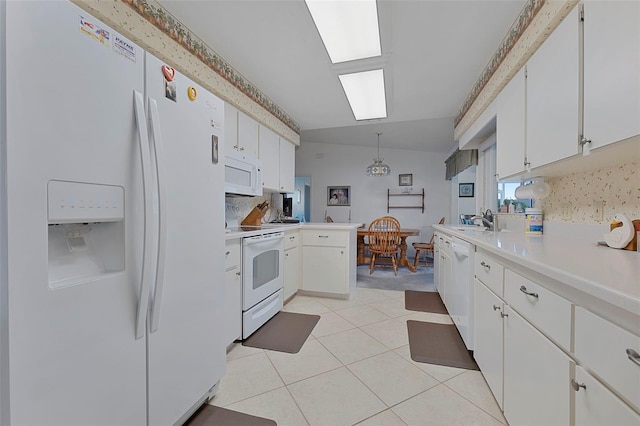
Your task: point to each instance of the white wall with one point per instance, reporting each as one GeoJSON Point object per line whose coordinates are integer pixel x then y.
{"type": "Point", "coordinates": [341, 165]}
{"type": "Point", "coordinates": [463, 205]}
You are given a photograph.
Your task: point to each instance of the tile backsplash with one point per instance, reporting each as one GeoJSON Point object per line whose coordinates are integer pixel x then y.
{"type": "Point", "coordinates": [594, 196]}
{"type": "Point", "coordinates": [237, 208]}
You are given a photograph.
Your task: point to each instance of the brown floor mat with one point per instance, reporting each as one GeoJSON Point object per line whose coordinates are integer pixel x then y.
{"type": "Point", "coordinates": [210, 415]}
{"type": "Point", "coordinates": [424, 301]}
{"type": "Point", "coordinates": [440, 344]}
{"type": "Point", "coordinates": [285, 332]}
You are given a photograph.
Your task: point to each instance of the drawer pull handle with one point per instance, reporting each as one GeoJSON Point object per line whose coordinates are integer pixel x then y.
{"type": "Point", "coordinates": [502, 314]}
{"type": "Point", "coordinates": [524, 290]}
{"type": "Point", "coordinates": [323, 236]}
{"type": "Point", "coordinates": [486, 265]}
{"type": "Point", "coordinates": [633, 356]}
{"type": "Point", "coordinates": [576, 386]}
{"type": "Point", "coordinates": [496, 307]}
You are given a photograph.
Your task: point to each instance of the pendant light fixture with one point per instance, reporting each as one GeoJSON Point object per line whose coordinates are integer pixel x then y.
{"type": "Point", "coordinates": [378, 168]}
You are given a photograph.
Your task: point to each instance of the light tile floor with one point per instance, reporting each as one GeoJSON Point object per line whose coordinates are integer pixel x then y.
{"type": "Point", "coordinates": [355, 368]}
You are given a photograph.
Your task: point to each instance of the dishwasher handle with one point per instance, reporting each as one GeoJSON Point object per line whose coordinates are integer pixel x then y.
{"type": "Point", "coordinates": [460, 250]}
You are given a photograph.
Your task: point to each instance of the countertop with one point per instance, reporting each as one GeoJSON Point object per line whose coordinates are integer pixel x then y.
{"type": "Point", "coordinates": [274, 227]}
{"type": "Point", "coordinates": [607, 274]}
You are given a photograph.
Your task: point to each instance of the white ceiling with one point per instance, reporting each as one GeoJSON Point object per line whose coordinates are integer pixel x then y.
{"type": "Point", "coordinates": [433, 53]}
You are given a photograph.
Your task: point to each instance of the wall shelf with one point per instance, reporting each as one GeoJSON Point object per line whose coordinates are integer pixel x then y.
{"type": "Point", "coordinates": [417, 206]}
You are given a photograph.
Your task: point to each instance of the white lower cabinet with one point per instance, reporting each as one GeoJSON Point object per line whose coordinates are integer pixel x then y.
{"type": "Point", "coordinates": [325, 269]}
{"type": "Point", "coordinates": [547, 360]}
{"type": "Point", "coordinates": [489, 343]}
{"type": "Point", "coordinates": [596, 405]}
{"type": "Point", "coordinates": [233, 293]}
{"type": "Point", "coordinates": [328, 260]}
{"type": "Point", "coordinates": [536, 376]}
{"type": "Point", "coordinates": [292, 271]}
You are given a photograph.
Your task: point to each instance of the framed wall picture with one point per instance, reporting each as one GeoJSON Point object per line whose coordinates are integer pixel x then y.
{"type": "Point", "coordinates": [465, 190]}
{"type": "Point", "coordinates": [405, 180]}
{"type": "Point", "coordinates": [338, 195]}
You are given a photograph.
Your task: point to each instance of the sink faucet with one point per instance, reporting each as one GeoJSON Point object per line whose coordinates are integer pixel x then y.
{"type": "Point", "coordinates": [486, 218]}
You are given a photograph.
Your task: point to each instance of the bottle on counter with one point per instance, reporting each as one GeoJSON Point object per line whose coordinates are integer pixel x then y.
{"type": "Point", "coordinates": [533, 221]}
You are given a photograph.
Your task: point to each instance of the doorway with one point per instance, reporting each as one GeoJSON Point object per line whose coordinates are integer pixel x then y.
{"type": "Point", "coordinates": [302, 199]}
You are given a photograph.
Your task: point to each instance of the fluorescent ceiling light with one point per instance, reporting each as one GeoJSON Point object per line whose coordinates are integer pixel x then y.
{"type": "Point", "coordinates": [365, 92]}
{"type": "Point", "coordinates": [348, 28]}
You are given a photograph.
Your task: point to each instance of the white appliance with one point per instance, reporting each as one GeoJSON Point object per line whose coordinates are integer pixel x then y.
{"type": "Point", "coordinates": [461, 292]}
{"type": "Point", "coordinates": [262, 282]}
{"type": "Point", "coordinates": [111, 227]}
{"type": "Point", "coordinates": [242, 175]}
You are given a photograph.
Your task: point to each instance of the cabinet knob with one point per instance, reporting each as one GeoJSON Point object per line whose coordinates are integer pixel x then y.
{"type": "Point", "coordinates": [496, 308]}
{"type": "Point", "coordinates": [238, 273]}
{"type": "Point", "coordinates": [485, 265]}
{"type": "Point", "coordinates": [502, 314]}
{"type": "Point", "coordinates": [576, 386]}
{"type": "Point", "coordinates": [227, 253]}
{"type": "Point", "coordinates": [524, 290]}
{"type": "Point", "coordinates": [633, 356]}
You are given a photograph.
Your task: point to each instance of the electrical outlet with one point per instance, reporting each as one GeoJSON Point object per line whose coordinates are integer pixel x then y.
{"type": "Point", "coordinates": [565, 211]}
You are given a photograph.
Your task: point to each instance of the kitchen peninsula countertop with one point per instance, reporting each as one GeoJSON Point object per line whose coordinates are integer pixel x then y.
{"type": "Point", "coordinates": [270, 227]}
{"type": "Point", "coordinates": [606, 274]}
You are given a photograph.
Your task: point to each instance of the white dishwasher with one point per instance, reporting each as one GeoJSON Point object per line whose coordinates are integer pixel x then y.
{"type": "Point", "coordinates": [461, 292]}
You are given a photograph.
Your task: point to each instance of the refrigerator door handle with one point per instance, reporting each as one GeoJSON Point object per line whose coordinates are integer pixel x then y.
{"type": "Point", "coordinates": [156, 139]}
{"type": "Point", "coordinates": [147, 261]}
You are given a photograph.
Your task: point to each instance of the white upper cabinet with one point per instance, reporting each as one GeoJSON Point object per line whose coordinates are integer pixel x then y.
{"type": "Point", "coordinates": [270, 156]}
{"type": "Point", "coordinates": [510, 127]}
{"type": "Point", "coordinates": [230, 128]}
{"type": "Point", "coordinates": [247, 135]}
{"type": "Point", "coordinates": [611, 71]}
{"type": "Point", "coordinates": [287, 166]}
{"type": "Point", "coordinates": [552, 126]}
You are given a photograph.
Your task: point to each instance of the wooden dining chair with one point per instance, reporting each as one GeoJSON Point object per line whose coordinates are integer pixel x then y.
{"type": "Point", "coordinates": [424, 247]}
{"type": "Point", "coordinates": [384, 241]}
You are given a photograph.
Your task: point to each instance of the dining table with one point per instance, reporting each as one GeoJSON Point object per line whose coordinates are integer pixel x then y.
{"type": "Point", "coordinates": [402, 261]}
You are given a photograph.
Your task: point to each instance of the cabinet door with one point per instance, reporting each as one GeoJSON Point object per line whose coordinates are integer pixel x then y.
{"type": "Point", "coordinates": [287, 166]}
{"type": "Point", "coordinates": [611, 71]}
{"type": "Point", "coordinates": [596, 405]}
{"type": "Point", "coordinates": [536, 376]}
{"type": "Point", "coordinates": [436, 263]}
{"type": "Point", "coordinates": [552, 96]}
{"type": "Point", "coordinates": [291, 272]}
{"type": "Point", "coordinates": [510, 127]}
{"type": "Point", "coordinates": [248, 135]}
{"type": "Point", "coordinates": [231, 128]}
{"type": "Point", "coordinates": [445, 278]}
{"type": "Point", "coordinates": [325, 269]}
{"type": "Point", "coordinates": [488, 350]}
{"type": "Point", "coordinates": [232, 306]}
{"type": "Point", "coordinates": [270, 156]}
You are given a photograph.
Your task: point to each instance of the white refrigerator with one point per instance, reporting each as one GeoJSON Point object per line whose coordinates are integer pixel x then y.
{"type": "Point", "coordinates": [111, 227]}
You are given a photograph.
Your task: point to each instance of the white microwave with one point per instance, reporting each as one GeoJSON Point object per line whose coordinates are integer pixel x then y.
{"type": "Point", "coordinates": [242, 175]}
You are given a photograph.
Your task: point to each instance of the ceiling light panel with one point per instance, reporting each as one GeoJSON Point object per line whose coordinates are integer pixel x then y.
{"type": "Point", "coordinates": [348, 28]}
{"type": "Point", "coordinates": [366, 94]}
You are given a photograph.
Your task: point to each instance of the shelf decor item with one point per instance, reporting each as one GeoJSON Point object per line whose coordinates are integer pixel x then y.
{"type": "Point", "coordinates": [465, 190]}
{"type": "Point", "coordinates": [405, 179]}
{"type": "Point", "coordinates": [338, 195]}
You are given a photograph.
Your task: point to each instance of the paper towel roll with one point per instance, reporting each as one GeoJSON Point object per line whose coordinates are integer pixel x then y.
{"type": "Point", "coordinates": [538, 189]}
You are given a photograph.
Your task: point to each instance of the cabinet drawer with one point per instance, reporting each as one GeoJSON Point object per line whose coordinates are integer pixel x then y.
{"type": "Point", "coordinates": [602, 347]}
{"type": "Point", "coordinates": [490, 272]}
{"type": "Point", "coordinates": [318, 237]}
{"type": "Point", "coordinates": [547, 311]}
{"type": "Point", "coordinates": [291, 239]}
{"type": "Point", "coordinates": [232, 254]}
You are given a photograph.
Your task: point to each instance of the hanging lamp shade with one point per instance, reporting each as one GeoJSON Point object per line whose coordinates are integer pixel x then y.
{"type": "Point", "coordinates": [378, 168]}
